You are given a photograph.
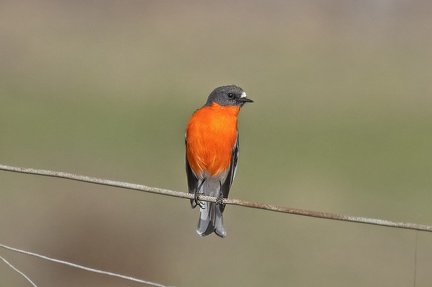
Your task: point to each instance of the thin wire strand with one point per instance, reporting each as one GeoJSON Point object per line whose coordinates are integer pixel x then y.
{"type": "Point", "coordinates": [18, 271]}
{"type": "Point", "coordinates": [76, 266]}
{"type": "Point", "coordinates": [415, 260]}
{"type": "Point", "coordinates": [264, 206]}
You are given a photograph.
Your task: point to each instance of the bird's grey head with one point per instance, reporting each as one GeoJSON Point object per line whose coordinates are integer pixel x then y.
{"type": "Point", "coordinates": [228, 96]}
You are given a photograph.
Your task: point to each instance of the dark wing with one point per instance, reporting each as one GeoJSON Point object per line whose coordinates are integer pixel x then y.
{"type": "Point", "coordinates": [226, 185]}
{"type": "Point", "coordinates": [191, 178]}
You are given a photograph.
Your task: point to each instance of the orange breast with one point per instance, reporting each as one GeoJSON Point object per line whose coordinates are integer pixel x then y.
{"type": "Point", "coordinates": [211, 134]}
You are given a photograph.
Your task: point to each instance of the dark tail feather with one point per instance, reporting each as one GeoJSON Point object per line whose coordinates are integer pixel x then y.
{"type": "Point", "coordinates": [211, 220]}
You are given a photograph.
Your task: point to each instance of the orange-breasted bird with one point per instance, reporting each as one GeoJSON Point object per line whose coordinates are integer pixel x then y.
{"type": "Point", "coordinates": [212, 149]}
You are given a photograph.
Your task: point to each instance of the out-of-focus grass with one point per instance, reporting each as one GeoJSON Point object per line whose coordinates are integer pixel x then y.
{"type": "Point", "coordinates": [341, 123]}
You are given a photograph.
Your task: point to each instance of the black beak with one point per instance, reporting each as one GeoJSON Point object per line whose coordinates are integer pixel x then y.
{"type": "Point", "coordinates": [245, 100]}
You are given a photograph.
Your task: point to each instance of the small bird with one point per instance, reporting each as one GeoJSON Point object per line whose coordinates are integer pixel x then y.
{"type": "Point", "coordinates": [212, 149]}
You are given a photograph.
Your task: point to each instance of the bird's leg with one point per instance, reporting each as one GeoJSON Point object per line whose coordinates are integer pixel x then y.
{"type": "Point", "coordinates": [219, 200]}
{"type": "Point", "coordinates": [197, 193]}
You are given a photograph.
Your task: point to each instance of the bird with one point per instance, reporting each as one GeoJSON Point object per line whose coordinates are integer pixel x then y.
{"type": "Point", "coordinates": [212, 150]}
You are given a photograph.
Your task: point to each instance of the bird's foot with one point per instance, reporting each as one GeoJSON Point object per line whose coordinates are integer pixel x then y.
{"type": "Point", "coordinates": [196, 201]}
{"type": "Point", "coordinates": [220, 201]}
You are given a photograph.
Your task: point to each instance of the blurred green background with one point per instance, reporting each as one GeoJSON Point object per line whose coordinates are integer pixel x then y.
{"type": "Point", "coordinates": [342, 123]}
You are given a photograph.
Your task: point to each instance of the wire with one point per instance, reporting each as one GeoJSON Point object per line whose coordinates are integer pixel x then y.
{"type": "Point", "coordinates": [75, 266]}
{"type": "Point", "coordinates": [264, 206]}
{"type": "Point", "coordinates": [19, 272]}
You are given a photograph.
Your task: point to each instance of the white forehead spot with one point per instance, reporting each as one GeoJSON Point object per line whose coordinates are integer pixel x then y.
{"type": "Point", "coordinates": [243, 95]}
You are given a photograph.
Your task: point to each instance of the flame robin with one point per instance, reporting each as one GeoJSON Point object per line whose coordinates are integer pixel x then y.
{"type": "Point", "coordinates": [212, 149]}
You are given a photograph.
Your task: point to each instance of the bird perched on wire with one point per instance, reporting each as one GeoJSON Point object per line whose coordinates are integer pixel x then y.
{"type": "Point", "coordinates": [212, 149]}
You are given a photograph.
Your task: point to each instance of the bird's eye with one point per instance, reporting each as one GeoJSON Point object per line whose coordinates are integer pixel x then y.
{"type": "Point", "coordinates": [230, 95]}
